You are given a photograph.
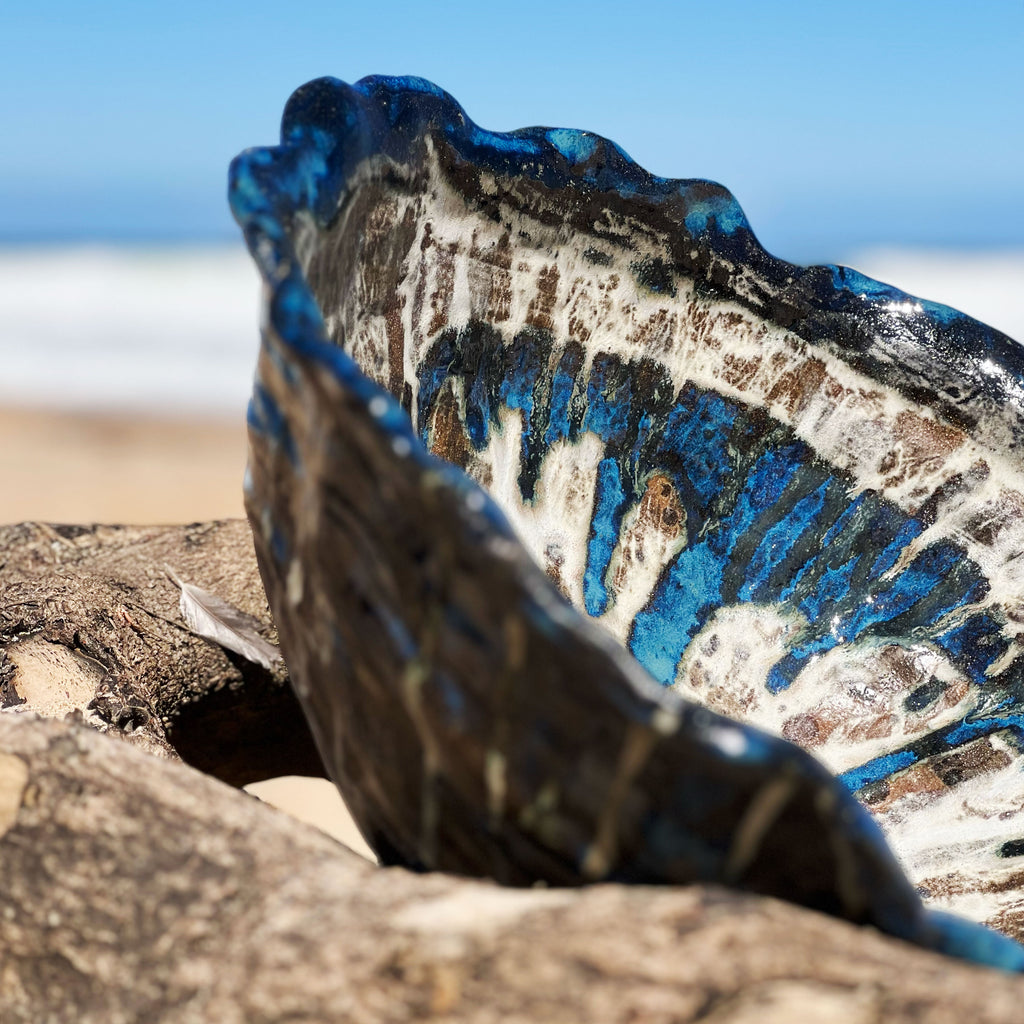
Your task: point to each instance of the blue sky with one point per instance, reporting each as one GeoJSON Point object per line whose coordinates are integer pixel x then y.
{"type": "Point", "coordinates": [837, 125]}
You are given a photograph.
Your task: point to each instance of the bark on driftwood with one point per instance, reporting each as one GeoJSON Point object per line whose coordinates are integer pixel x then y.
{"type": "Point", "coordinates": [139, 889]}
{"type": "Point", "coordinates": [89, 626]}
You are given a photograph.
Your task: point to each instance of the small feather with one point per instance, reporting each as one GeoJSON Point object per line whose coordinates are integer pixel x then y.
{"type": "Point", "coordinates": [214, 619]}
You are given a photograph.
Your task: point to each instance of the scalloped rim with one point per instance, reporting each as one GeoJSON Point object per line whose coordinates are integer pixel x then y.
{"type": "Point", "coordinates": [329, 127]}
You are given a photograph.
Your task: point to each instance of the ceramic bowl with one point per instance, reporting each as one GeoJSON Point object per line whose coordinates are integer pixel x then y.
{"type": "Point", "coordinates": [791, 496]}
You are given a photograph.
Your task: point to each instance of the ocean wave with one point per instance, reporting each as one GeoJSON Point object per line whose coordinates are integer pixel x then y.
{"type": "Point", "coordinates": [128, 328]}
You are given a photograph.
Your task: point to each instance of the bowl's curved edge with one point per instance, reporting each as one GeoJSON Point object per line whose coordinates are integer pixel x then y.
{"type": "Point", "coordinates": [329, 126]}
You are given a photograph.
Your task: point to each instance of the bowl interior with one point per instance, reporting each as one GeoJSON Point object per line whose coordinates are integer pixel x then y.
{"type": "Point", "coordinates": [793, 493]}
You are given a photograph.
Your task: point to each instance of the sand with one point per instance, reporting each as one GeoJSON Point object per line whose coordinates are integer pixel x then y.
{"type": "Point", "coordinates": [65, 467]}
{"type": "Point", "coordinates": [94, 467]}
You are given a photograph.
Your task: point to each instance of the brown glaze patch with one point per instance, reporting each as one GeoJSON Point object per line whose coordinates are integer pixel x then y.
{"type": "Point", "coordinates": [1009, 920]}
{"type": "Point", "coordinates": [580, 307]}
{"type": "Point", "coordinates": [656, 333]}
{"type": "Point", "coordinates": [437, 262]}
{"type": "Point", "coordinates": [920, 446]}
{"type": "Point", "coordinates": [727, 700]}
{"type": "Point", "coordinates": [732, 321]}
{"type": "Point", "coordinates": [871, 727]}
{"type": "Point", "coordinates": [698, 676]}
{"type": "Point", "coordinates": [493, 264]}
{"type": "Point", "coordinates": [661, 512]}
{"type": "Point", "coordinates": [356, 275]}
{"type": "Point", "coordinates": [917, 779]}
{"type": "Point", "coordinates": [499, 303]}
{"type": "Point", "coordinates": [979, 757]}
{"type": "Point", "coordinates": [605, 298]}
{"type": "Point", "coordinates": [795, 388]}
{"type": "Point", "coordinates": [849, 723]}
{"type": "Point", "coordinates": [902, 670]}
{"type": "Point", "coordinates": [849, 715]}
{"type": "Point", "coordinates": [497, 255]}
{"type": "Point", "coordinates": [578, 331]}
{"type": "Point", "coordinates": [420, 293]}
{"type": "Point", "coordinates": [986, 525]}
{"type": "Point", "coordinates": [899, 673]}
{"type": "Point", "coordinates": [371, 354]}
{"type": "Point", "coordinates": [447, 435]}
{"type": "Point", "coordinates": [378, 274]}
{"type": "Point", "coordinates": [538, 313]}
{"type": "Point", "coordinates": [837, 393]}
{"type": "Point", "coordinates": [807, 729]}
{"type": "Point", "coordinates": [703, 325]}
{"type": "Point", "coordinates": [444, 287]}
{"type": "Point", "coordinates": [396, 345]}
{"type": "Point", "coordinates": [661, 508]}
{"type": "Point", "coordinates": [386, 240]}
{"type": "Point", "coordinates": [738, 372]}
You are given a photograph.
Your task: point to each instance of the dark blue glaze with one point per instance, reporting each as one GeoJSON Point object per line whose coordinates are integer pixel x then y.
{"type": "Point", "coordinates": [700, 441]}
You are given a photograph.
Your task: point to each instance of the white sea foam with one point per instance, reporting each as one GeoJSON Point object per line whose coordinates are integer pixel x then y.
{"type": "Point", "coordinates": [126, 328]}
{"type": "Point", "coordinates": [177, 329]}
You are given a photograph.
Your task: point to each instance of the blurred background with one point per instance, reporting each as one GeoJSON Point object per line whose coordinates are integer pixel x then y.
{"type": "Point", "coordinates": [885, 135]}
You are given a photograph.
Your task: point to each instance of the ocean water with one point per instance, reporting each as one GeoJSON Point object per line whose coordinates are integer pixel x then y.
{"type": "Point", "coordinates": [177, 329]}
{"type": "Point", "coordinates": [129, 329]}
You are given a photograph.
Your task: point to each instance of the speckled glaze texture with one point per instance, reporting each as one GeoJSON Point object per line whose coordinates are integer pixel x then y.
{"type": "Point", "coordinates": [793, 497]}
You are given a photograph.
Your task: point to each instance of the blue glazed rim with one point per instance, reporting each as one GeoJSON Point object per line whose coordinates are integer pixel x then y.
{"type": "Point", "coordinates": [329, 128]}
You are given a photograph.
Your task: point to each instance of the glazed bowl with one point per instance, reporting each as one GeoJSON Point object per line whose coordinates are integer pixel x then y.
{"type": "Point", "coordinates": [792, 496]}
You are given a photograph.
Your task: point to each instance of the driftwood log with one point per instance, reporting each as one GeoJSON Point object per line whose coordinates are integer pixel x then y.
{"type": "Point", "coordinates": [89, 626]}
{"type": "Point", "coordinates": [136, 888]}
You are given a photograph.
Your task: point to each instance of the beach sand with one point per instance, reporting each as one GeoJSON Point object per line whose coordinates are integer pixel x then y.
{"type": "Point", "coordinates": [66, 467]}
{"type": "Point", "coordinates": [119, 468]}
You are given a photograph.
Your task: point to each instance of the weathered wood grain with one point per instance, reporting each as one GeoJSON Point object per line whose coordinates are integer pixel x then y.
{"type": "Point", "coordinates": [90, 627]}
{"type": "Point", "coordinates": [136, 889]}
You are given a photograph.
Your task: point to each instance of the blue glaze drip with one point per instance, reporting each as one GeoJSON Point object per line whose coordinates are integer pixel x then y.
{"type": "Point", "coordinates": [608, 401]}
{"type": "Point", "coordinates": [907, 531]}
{"type": "Point", "coordinates": [877, 769]}
{"type": "Point", "coordinates": [562, 387]}
{"type": "Point", "coordinates": [777, 541]}
{"type": "Point", "coordinates": [685, 597]}
{"type": "Point", "coordinates": [971, 729]}
{"type": "Point", "coordinates": [609, 506]}
{"type": "Point", "coordinates": [877, 612]}
{"type": "Point", "coordinates": [974, 645]}
{"type": "Point", "coordinates": [696, 436]}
